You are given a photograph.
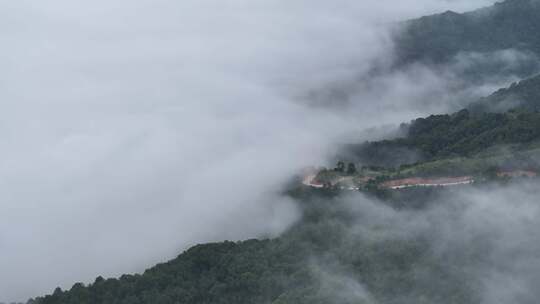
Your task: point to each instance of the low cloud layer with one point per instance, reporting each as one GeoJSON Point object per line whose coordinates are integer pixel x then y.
{"type": "Point", "coordinates": [134, 129]}
{"type": "Point", "coordinates": [471, 245]}
{"type": "Point", "coordinates": [477, 244]}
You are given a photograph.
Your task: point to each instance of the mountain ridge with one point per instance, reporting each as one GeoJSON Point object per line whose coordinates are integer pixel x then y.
{"type": "Point", "coordinates": [439, 38]}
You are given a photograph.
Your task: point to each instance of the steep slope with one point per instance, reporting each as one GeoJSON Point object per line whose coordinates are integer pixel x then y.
{"type": "Point", "coordinates": [314, 262]}
{"type": "Point", "coordinates": [457, 135]}
{"type": "Point", "coordinates": [244, 272]}
{"type": "Point", "coordinates": [437, 39]}
{"type": "Point", "coordinates": [509, 116]}
{"type": "Point", "coordinates": [524, 94]}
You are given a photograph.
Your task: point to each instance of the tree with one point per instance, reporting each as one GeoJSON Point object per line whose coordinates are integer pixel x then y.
{"type": "Point", "coordinates": [340, 167]}
{"type": "Point", "coordinates": [351, 169]}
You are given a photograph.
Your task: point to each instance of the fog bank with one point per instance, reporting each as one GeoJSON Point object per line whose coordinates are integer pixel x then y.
{"type": "Point", "coordinates": [134, 129]}
{"type": "Point", "coordinates": [472, 245]}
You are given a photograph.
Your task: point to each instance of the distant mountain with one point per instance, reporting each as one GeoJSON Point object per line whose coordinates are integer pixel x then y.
{"type": "Point", "coordinates": [437, 39]}
{"type": "Point", "coordinates": [524, 94]}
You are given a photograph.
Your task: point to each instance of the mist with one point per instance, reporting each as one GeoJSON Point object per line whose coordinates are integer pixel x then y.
{"type": "Point", "coordinates": [134, 129]}
{"type": "Point", "coordinates": [472, 245]}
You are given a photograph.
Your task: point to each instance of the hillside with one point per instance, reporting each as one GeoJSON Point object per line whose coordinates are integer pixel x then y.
{"type": "Point", "coordinates": [437, 39]}
{"type": "Point", "coordinates": [308, 264]}
{"type": "Point", "coordinates": [496, 137]}
{"type": "Point", "coordinates": [524, 94]}
{"type": "Point", "coordinates": [451, 135]}
{"type": "Point", "coordinates": [509, 117]}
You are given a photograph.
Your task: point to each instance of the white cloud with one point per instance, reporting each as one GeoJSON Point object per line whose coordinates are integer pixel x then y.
{"type": "Point", "coordinates": [479, 243]}
{"type": "Point", "coordinates": [133, 129]}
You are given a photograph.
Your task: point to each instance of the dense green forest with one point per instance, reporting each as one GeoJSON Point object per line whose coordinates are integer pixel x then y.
{"type": "Point", "coordinates": [508, 118]}
{"type": "Point", "coordinates": [310, 263]}
{"type": "Point", "coordinates": [454, 135]}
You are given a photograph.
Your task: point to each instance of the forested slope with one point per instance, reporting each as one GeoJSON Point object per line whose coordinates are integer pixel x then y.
{"type": "Point", "coordinates": [316, 261]}
{"type": "Point", "coordinates": [459, 134]}
{"type": "Point", "coordinates": [512, 24]}
{"type": "Point", "coordinates": [509, 116]}
{"type": "Point", "coordinates": [524, 95]}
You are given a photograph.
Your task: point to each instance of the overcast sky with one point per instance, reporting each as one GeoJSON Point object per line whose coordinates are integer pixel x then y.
{"type": "Point", "coordinates": [132, 130]}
